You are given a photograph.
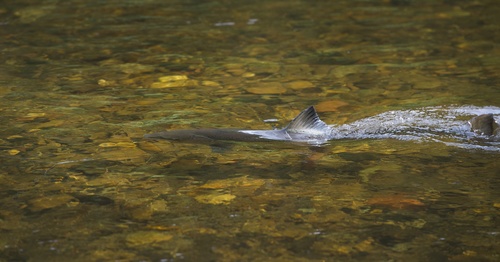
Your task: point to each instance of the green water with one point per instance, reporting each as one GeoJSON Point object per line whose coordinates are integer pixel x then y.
{"type": "Point", "coordinates": [82, 81]}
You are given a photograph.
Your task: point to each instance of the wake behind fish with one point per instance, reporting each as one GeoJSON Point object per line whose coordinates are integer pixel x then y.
{"type": "Point", "coordinates": [446, 124]}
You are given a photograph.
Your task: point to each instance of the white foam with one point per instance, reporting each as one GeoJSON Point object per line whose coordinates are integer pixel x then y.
{"type": "Point", "coordinates": [447, 124]}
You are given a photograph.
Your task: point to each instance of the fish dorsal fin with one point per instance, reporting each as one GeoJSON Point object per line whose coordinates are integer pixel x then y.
{"type": "Point", "coordinates": [307, 122]}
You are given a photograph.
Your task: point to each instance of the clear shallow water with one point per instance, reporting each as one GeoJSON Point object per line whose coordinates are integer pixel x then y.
{"type": "Point", "coordinates": [82, 81]}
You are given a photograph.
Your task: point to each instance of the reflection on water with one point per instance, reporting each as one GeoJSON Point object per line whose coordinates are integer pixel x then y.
{"type": "Point", "coordinates": [81, 82]}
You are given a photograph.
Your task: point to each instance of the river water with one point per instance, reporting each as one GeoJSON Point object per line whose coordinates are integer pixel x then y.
{"type": "Point", "coordinates": [81, 82]}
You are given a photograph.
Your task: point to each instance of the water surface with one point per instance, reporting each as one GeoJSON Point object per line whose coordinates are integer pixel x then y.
{"type": "Point", "coordinates": [81, 82]}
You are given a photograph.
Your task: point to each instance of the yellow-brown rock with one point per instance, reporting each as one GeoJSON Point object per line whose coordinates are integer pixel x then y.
{"type": "Point", "coordinates": [297, 85]}
{"type": "Point", "coordinates": [267, 88]}
{"type": "Point", "coordinates": [330, 105]}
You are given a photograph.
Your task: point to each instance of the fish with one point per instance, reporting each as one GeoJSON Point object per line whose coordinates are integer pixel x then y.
{"type": "Point", "coordinates": [485, 124]}
{"type": "Point", "coordinates": [432, 123]}
{"type": "Point", "coordinates": [306, 127]}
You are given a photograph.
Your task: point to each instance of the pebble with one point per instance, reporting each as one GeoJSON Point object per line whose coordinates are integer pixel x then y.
{"type": "Point", "coordinates": [172, 78]}
{"type": "Point", "coordinates": [297, 85]}
{"type": "Point", "coordinates": [215, 199]}
{"type": "Point", "coordinates": [181, 83]}
{"type": "Point", "coordinates": [14, 137]}
{"type": "Point", "coordinates": [31, 14]}
{"type": "Point", "coordinates": [32, 116]}
{"type": "Point", "coordinates": [142, 238]}
{"type": "Point", "coordinates": [427, 84]}
{"type": "Point", "coordinates": [248, 74]}
{"type": "Point", "coordinates": [13, 152]}
{"type": "Point", "coordinates": [267, 88]}
{"type": "Point", "coordinates": [106, 83]}
{"type": "Point", "coordinates": [133, 68]}
{"type": "Point", "coordinates": [52, 123]}
{"type": "Point", "coordinates": [233, 182]}
{"type": "Point", "coordinates": [210, 83]}
{"type": "Point", "coordinates": [47, 202]}
{"type": "Point", "coordinates": [264, 67]}
{"type": "Point", "coordinates": [118, 144]}
{"type": "Point", "coordinates": [330, 106]}
{"type": "Point", "coordinates": [396, 201]}
{"type": "Point", "coordinates": [174, 81]}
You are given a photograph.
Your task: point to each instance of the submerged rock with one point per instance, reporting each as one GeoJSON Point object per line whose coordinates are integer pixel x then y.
{"type": "Point", "coordinates": [141, 238]}
{"type": "Point", "coordinates": [48, 202]}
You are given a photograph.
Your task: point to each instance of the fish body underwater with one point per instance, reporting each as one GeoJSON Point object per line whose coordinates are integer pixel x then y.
{"type": "Point", "coordinates": [442, 124]}
{"type": "Point", "coordinates": [306, 127]}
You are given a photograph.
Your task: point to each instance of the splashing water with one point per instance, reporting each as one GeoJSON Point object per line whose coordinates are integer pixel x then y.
{"type": "Point", "coordinates": [447, 124]}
